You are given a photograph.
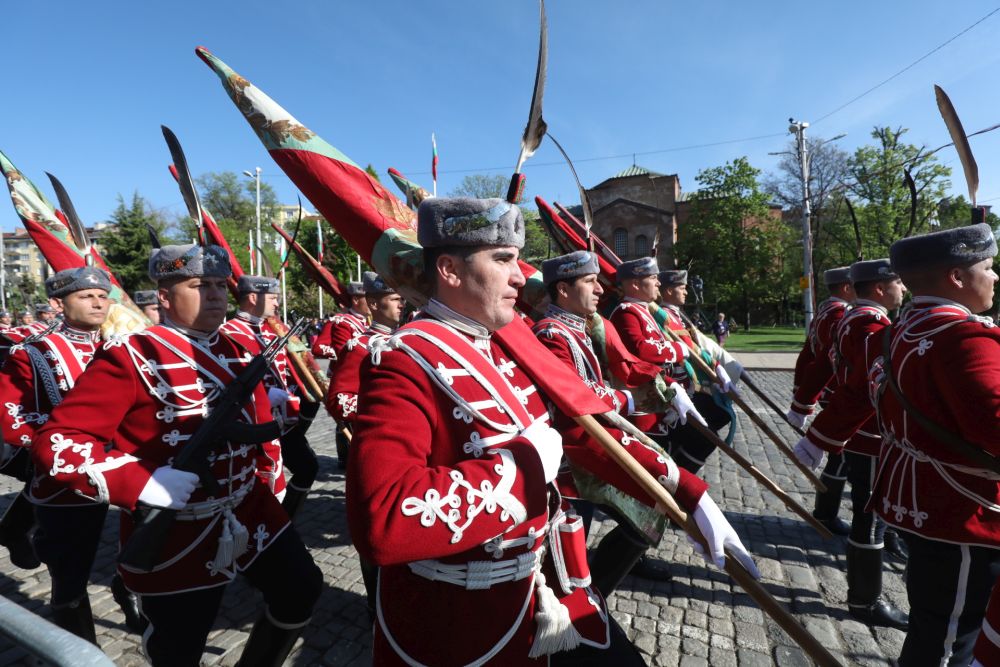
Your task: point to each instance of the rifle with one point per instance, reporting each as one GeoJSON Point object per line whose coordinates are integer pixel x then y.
{"type": "Point", "coordinates": [153, 525]}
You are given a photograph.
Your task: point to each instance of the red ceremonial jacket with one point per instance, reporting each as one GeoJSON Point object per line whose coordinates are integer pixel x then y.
{"type": "Point", "coordinates": [565, 335]}
{"type": "Point", "coordinates": [814, 365]}
{"type": "Point", "coordinates": [341, 328]}
{"type": "Point", "coordinates": [947, 364]}
{"type": "Point", "coordinates": [452, 503]}
{"type": "Point", "coordinates": [142, 398]}
{"type": "Point", "coordinates": [848, 420]}
{"type": "Point", "coordinates": [35, 378]}
{"type": "Point", "coordinates": [342, 398]}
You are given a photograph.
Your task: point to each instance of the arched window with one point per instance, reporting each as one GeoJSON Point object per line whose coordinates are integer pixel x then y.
{"type": "Point", "coordinates": [621, 242]}
{"type": "Point", "coordinates": [642, 246]}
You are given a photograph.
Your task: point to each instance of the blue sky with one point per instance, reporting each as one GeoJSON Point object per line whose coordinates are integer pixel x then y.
{"type": "Point", "coordinates": [88, 85]}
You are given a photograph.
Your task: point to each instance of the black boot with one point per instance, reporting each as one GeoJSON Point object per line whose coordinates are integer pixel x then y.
{"type": "Point", "coordinates": [343, 445]}
{"type": "Point", "coordinates": [652, 569]}
{"type": "Point", "coordinates": [614, 557]}
{"type": "Point", "coordinates": [895, 547]}
{"type": "Point", "coordinates": [864, 590]}
{"type": "Point", "coordinates": [270, 642]}
{"type": "Point", "coordinates": [77, 618]}
{"type": "Point", "coordinates": [369, 575]}
{"type": "Point", "coordinates": [17, 521]}
{"type": "Point", "coordinates": [129, 603]}
{"type": "Point", "coordinates": [828, 505]}
{"type": "Point", "coordinates": [293, 500]}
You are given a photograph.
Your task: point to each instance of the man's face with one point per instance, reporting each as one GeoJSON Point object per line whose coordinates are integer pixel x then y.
{"type": "Point", "coordinates": [892, 294]}
{"type": "Point", "coordinates": [581, 296]}
{"type": "Point", "coordinates": [675, 295]}
{"type": "Point", "coordinates": [27, 318]}
{"type": "Point", "coordinates": [195, 303]}
{"type": "Point", "coordinates": [85, 309]}
{"type": "Point", "coordinates": [388, 309]}
{"type": "Point", "coordinates": [262, 305]}
{"type": "Point", "coordinates": [979, 281]}
{"type": "Point", "coordinates": [484, 285]}
{"type": "Point", "coordinates": [5, 320]}
{"type": "Point", "coordinates": [644, 289]}
{"type": "Point", "coordinates": [46, 316]}
{"type": "Point", "coordinates": [152, 312]}
{"type": "Point", "coordinates": [360, 304]}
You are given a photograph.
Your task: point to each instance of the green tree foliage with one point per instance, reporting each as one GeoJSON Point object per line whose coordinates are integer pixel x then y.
{"type": "Point", "coordinates": [483, 186]}
{"type": "Point", "coordinates": [338, 258]}
{"type": "Point", "coordinates": [126, 246]}
{"type": "Point", "coordinates": [733, 241]}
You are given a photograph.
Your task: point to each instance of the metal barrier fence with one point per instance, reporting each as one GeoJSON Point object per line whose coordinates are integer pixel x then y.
{"type": "Point", "coordinates": [47, 641]}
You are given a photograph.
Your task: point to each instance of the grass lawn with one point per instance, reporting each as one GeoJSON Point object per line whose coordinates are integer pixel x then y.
{"type": "Point", "coordinates": [766, 339]}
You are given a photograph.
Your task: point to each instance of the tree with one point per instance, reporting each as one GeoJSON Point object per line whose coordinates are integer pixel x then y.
{"type": "Point", "coordinates": [127, 245]}
{"type": "Point", "coordinates": [482, 186]}
{"type": "Point", "coordinates": [733, 241]}
{"type": "Point", "coordinates": [338, 258]}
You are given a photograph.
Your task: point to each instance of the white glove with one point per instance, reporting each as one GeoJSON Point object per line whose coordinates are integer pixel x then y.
{"type": "Point", "coordinates": [719, 534]}
{"type": "Point", "coordinates": [725, 383]}
{"type": "Point", "coordinates": [169, 488]}
{"type": "Point", "coordinates": [277, 397]}
{"type": "Point", "coordinates": [796, 419]}
{"type": "Point", "coordinates": [683, 405]}
{"type": "Point", "coordinates": [808, 453]}
{"type": "Point", "coordinates": [548, 444]}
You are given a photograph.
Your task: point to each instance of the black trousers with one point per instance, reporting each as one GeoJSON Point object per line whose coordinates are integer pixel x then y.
{"type": "Point", "coordinates": [66, 540]}
{"type": "Point", "coordinates": [298, 455]}
{"type": "Point", "coordinates": [835, 468]}
{"type": "Point", "coordinates": [867, 528]}
{"type": "Point", "coordinates": [689, 448]}
{"type": "Point", "coordinates": [179, 623]}
{"type": "Point", "coordinates": [948, 586]}
{"type": "Point", "coordinates": [621, 653]}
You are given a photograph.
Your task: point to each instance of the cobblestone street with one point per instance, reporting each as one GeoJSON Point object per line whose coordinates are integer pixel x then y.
{"type": "Point", "coordinates": [699, 618]}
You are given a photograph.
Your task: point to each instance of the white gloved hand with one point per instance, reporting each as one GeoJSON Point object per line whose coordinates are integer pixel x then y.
{"type": "Point", "coordinates": [720, 535]}
{"type": "Point", "coordinates": [169, 488]}
{"type": "Point", "coordinates": [683, 405]}
{"type": "Point", "coordinates": [725, 383]}
{"type": "Point", "coordinates": [796, 419]}
{"type": "Point", "coordinates": [277, 397]}
{"type": "Point", "coordinates": [548, 444]}
{"type": "Point", "coordinates": [808, 453]}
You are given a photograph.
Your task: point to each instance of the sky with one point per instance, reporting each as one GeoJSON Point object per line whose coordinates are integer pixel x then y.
{"type": "Point", "coordinates": [88, 85]}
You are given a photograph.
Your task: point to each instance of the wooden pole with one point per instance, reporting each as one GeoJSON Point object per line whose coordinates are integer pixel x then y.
{"type": "Point", "coordinates": [812, 647]}
{"type": "Point", "coordinates": [620, 422]}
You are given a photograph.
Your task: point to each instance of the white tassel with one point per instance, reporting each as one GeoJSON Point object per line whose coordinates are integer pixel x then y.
{"type": "Point", "coordinates": [224, 554]}
{"type": "Point", "coordinates": [555, 629]}
{"type": "Point", "coordinates": [241, 536]}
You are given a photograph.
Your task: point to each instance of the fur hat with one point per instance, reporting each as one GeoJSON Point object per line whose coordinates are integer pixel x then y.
{"type": "Point", "coordinates": [841, 274]}
{"type": "Point", "coordinates": [356, 288]}
{"type": "Point", "coordinates": [463, 221]}
{"type": "Point", "coordinates": [73, 280]}
{"type": "Point", "coordinates": [375, 285]}
{"type": "Point", "coordinates": [637, 268]}
{"type": "Point", "coordinates": [871, 269]}
{"type": "Point", "coordinates": [947, 248]}
{"type": "Point", "coordinates": [188, 261]}
{"type": "Point", "coordinates": [567, 267]}
{"type": "Point", "coordinates": [257, 285]}
{"type": "Point", "coordinates": [145, 297]}
{"type": "Point", "coordinates": [673, 277]}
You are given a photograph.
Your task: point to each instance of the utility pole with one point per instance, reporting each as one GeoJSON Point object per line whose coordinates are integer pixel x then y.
{"type": "Point", "coordinates": [3, 273]}
{"type": "Point", "coordinates": [798, 128]}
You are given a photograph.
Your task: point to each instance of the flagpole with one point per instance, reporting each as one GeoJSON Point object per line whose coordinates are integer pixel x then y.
{"type": "Point", "coordinates": [251, 254]}
{"type": "Point", "coordinates": [284, 292]}
{"type": "Point", "coordinates": [434, 163]}
{"type": "Point", "coordinates": [359, 267]}
{"type": "Point", "coordinates": [319, 255]}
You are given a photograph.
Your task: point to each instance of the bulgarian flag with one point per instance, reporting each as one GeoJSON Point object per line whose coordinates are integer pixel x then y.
{"type": "Point", "coordinates": [569, 239]}
{"type": "Point", "coordinates": [414, 193]}
{"type": "Point", "coordinates": [434, 163]}
{"type": "Point", "coordinates": [47, 228]}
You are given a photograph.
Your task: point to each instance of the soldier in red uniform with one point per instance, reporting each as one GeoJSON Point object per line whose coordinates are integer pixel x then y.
{"type": "Point", "coordinates": [330, 343]}
{"type": "Point", "coordinates": [811, 386]}
{"type": "Point", "coordinates": [450, 484]}
{"type": "Point", "coordinates": [37, 376]}
{"type": "Point", "coordinates": [642, 337]}
{"type": "Point", "coordinates": [148, 303]}
{"type": "Point", "coordinates": [6, 319]}
{"type": "Point", "coordinates": [689, 447]}
{"type": "Point", "coordinates": [574, 290]}
{"type": "Point", "coordinates": [847, 426]}
{"type": "Point", "coordinates": [112, 440]}
{"type": "Point", "coordinates": [386, 308]}
{"type": "Point", "coordinates": [937, 396]}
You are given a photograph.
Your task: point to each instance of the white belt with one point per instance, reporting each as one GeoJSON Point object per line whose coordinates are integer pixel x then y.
{"type": "Point", "coordinates": [923, 457]}
{"type": "Point", "coordinates": [479, 574]}
{"type": "Point", "coordinates": [209, 508]}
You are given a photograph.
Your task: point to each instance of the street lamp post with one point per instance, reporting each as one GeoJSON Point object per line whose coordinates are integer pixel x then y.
{"type": "Point", "coordinates": [256, 176]}
{"type": "Point", "coordinates": [798, 128]}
